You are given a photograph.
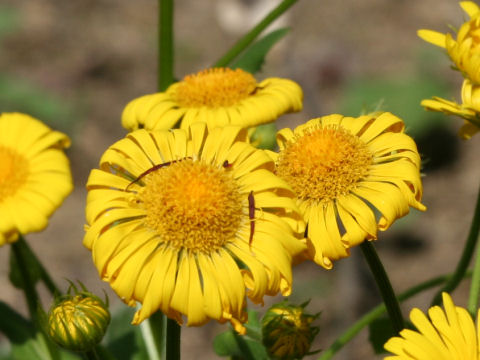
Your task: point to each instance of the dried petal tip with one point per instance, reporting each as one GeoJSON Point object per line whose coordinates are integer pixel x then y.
{"type": "Point", "coordinates": [288, 332]}
{"type": "Point", "coordinates": [78, 321]}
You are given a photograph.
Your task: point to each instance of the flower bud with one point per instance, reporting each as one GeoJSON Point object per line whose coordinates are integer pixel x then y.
{"type": "Point", "coordinates": [78, 322]}
{"type": "Point", "coordinates": [287, 331]}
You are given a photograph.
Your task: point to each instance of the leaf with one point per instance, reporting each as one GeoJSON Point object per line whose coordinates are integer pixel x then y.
{"type": "Point", "coordinates": [399, 95]}
{"type": "Point", "coordinates": [123, 339]}
{"type": "Point", "coordinates": [248, 346]}
{"type": "Point", "coordinates": [264, 136]}
{"type": "Point", "coordinates": [252, 59]}
{"type": "Point", "coordinates": [380, 330]}
{"type": "Point", "coordinates": [30, 265]}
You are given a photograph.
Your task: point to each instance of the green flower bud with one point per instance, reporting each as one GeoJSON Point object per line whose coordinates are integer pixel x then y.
{"type": "Point", "coordinates": [287, 331]}
{"type": "Point", "coordinates": [78, 322]}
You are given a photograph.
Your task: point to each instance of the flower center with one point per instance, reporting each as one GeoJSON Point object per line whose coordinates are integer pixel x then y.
{"type": "Point", "coordinates": [323, 163]}
{"type": "Point", "coordinates": [192, 205]}
{"type": "Point", "coordinates": [13, 172]}
{"type": "Point", "coordinates": [215, 88]}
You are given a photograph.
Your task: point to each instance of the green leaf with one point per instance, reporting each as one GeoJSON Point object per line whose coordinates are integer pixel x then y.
{"type": "Point", "coordinates": [231, 344]}
{"type": "Point", "coordinates": [248, 346]}
{"type": "Point", "coordinates": [399, 95]}
{"type": "Point", "coordinates": [380, 330]}
{"type": "Point", "coordinates": [31, 265]}
{"type": "Point", "coordinates": [26, 342]}
{"type": "Point", "coordinates": [252, 59]}
{"type": "Point", "coordinates": [9, 20]}
{"type": "Point", "coordinates": [27, 97]}
{"type": "Point", "coordinates": [124, 340]}
{"type": "Point", "coordinates": [264, 136]}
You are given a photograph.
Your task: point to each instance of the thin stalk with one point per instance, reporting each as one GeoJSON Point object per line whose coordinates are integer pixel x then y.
{"type": "Point", "coordinates": [173, 340]}
{"type": "Point", "coordinates": [466, 257]}
{"type": "Point", "coordinates": [475, 287]}
{"type": "Point", "coordinates": [384, 285]}
{"type": "Point", "coordinates": [31, 295]}
{"type": "Point", "coordinates": [165, 44]}
{"type": "Point", "coordinates": [248, 38]}
{"type": "Point", "coordinates": [162, 335]}
{"type": "Point", "coordinates": [154, 336]}
{"type": "Point", "coordinates": [376, 312]}
{"type": "Point", "coordinates": [19, 250]}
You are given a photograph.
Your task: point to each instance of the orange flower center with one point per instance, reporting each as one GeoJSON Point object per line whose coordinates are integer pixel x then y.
{"type": "Point", "coordinates": [192, 205]}
{"type": "Point", "coordinates": [324, 163]}
{"type": "Point", "coordinates": [215, 87]}
{"type": "Point", "coordinates": [13, 172]}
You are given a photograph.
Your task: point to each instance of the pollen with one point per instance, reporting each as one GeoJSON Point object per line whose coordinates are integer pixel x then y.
{"type": "Point", "coordinates": [13, 172]}
{"type": "Point", "coordinates": [324, 163]}
{"type": "Point", "coordinates": [192, 205]}
{"type": "Point", "coordinates": [215, 87]}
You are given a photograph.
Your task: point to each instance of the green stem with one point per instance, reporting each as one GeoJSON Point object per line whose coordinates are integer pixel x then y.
{"type": "Point", "coordinates": [162, 337]}
{"type": "Point", "coordinates": [165, 44]}
{"type": "Point", "coordinates": [44, 275]}
{"type": "Point", "coordinates": [366, 319]}
{"type": "Point", "coordinates": [475, 287]}
{"type": "Point", "coordinates": [31, 295]}
{"type": "Point", "coordinates": [383, 283]}
{"type": "Point", "coordinates": [173, 340]}
{"type": "Point", "coordinates": [465, 259]}
{"type": "Point", "coordinates": [91, 355]}
{"type": "Point", "coordinates": [245, 41]}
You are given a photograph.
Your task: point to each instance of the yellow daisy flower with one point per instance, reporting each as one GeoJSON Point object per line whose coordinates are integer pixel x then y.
{"type": "Point", "coordinates": [35, 175]}
{"type": "Point", "coordinates": [469, 109]}
{"type": "Point", "coordinates": [344, 170]}
{"type": "Point", "coordinates": [465, 51]}
{"type": "Point", "coordinates": [218, 96]}
{"type": "Point", "coordinates": [182, 220]}
{"type": "Point", "coordinates": [449, 334]}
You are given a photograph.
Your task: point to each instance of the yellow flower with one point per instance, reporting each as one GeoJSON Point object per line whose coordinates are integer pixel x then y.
{"type": "Point", "coordinates": [469, 109]}
{"type": "Point", "coordinates": [343, 171]}
{"type": "Point", "coordinates": [449, 334]}
{"type": "Point", "coordinates": [465, 51]}
{"type": "Point", "coordinates": [183, 220]}
{"type": "Point", "coordinates": [34, 174]}
{"type": "Point", "coordinates": [218, 96]}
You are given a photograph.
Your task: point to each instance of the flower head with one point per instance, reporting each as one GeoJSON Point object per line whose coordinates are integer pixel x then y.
{"type": "Point", "coordinates": [344, 170]}
{"type": "Point", "coordinates": [449, 334]}
{"type": "Point", "coordinates": [287, 331]}
{"type": "Point", "coordinates": [465, 50]}
{"type": "Point", "coordinates": [183, 220]}
{"type": "Point", "coordinates": [35, 175]}
{"type": "Point", "coordinates": [217, 96]}
{"type": "Point", "coordinates": [469, 109]}
{"type": "Point", "coordinates": [78, 321]}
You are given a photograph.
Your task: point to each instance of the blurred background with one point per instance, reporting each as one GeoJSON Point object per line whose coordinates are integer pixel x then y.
{"type": "Point", "coordinates": [76, 64]}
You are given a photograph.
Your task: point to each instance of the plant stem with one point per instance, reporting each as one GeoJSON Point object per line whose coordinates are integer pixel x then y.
{"type": "Point", "coordinates": [248, 38]}
{"type": "Point", "coordinates": [465, 259]}
{"type": "Point", "coordinates": [162, 335]}
{"type": "Point", "coordinates": [475, 285]}
{"type": "Point", "coordinates": [173, 340]}
{"type": "Point", "coordinates": [31, 295]}
{"type": "Point", "coordinates": [384, 285]}
{"type": "Point", "coordinates": [165, 44]}
{"type": "Point", "coordinates": [366, 319]}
